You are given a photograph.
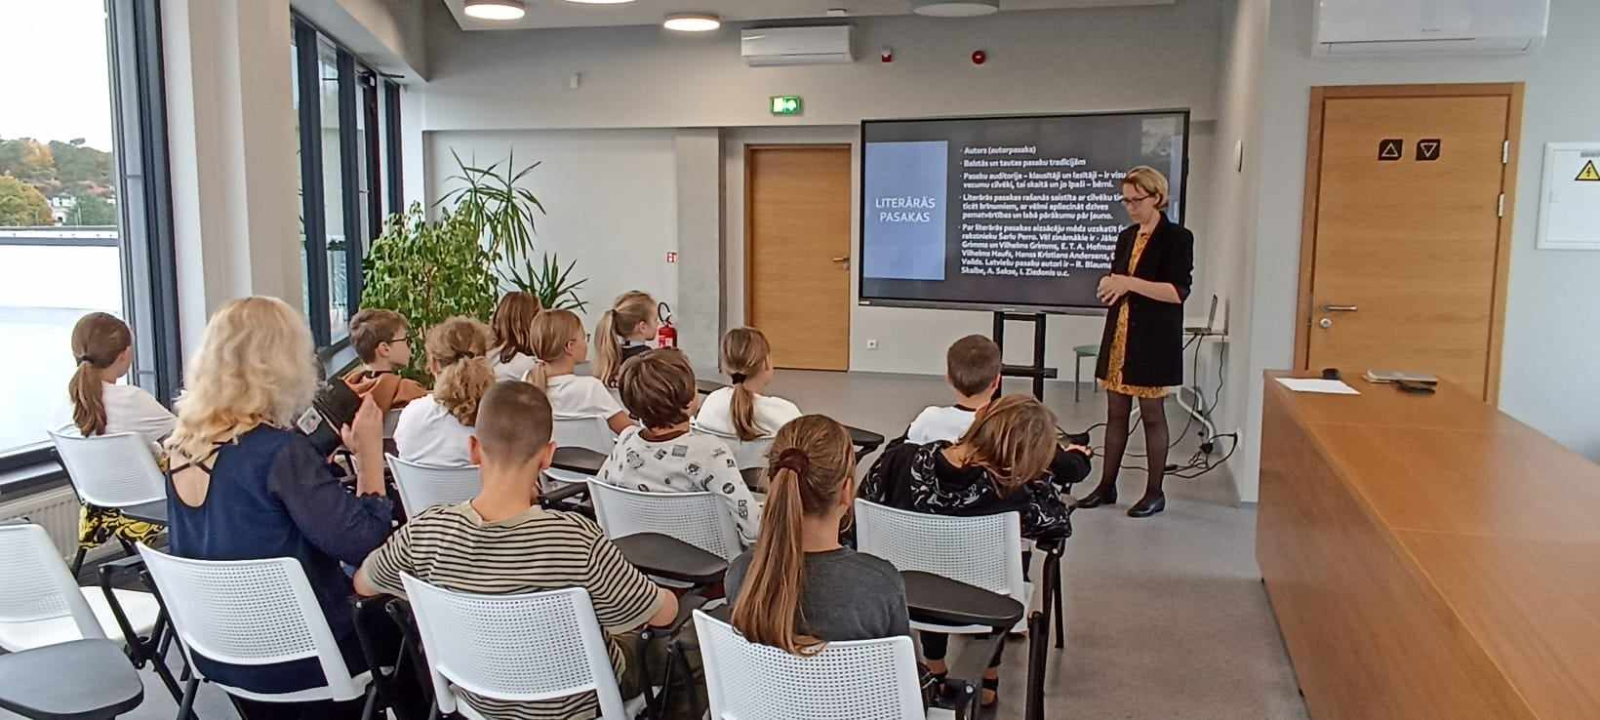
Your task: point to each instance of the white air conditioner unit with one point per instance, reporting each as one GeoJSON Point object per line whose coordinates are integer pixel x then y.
{"type": "Point", "coordinates": [1357, 28]}
{"type": "Point", "coordinates": [796, 45]}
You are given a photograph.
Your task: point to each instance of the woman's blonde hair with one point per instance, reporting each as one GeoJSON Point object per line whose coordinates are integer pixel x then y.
{"type": "Point", "coordinates": [255, 366]}
{"type": "Point", "coordinates": [811, 460]}
{"type": "Point", "coordinates": [1150, 181]}
{"type": "Point", "coordinates": [744, 354]}
{"type": "Point", "coordinates": [97, 341]}
{"type": "Point", "coordinates": [552, 330]}
{"type": "Point", "coordinates": [512, 323]}
{"type": "Point", "coordinates": [457, 347]}
{"type": "Point", "coordinates": [1014, 439]}
{"type": "Point", "coordinates": [630, 309]}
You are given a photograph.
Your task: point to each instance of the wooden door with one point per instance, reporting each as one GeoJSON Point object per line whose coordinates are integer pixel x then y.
{"type": "Point", "coordinates": [797, 234]}
{"type": "Point", "coordinates": [1408, 220]}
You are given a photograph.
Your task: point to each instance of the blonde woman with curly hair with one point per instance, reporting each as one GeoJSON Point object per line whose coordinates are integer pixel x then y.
{"type": "Point", "coordinates": [246, 485]}
{"type": "Point", "coordinates": [433, 430]}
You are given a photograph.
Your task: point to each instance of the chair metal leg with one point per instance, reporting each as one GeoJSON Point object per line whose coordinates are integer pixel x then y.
{"type": "Point", "coordinates": [1055, 590]}
{"type": "Point", "coordinates": [1077, 378]}
{"type": "Point", "coordinates": [1038, 656]}
{"type": "Point", "coordinates": [77, 561]}
{"type": "Point", "coordinates": [186, 705]}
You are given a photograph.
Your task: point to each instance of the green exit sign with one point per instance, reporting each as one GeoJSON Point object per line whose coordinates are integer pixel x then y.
{"type": "Point", "coordinates": [786, 105]}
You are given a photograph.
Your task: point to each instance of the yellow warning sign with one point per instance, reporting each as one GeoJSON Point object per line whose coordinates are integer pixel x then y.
{"type": "Point", "coordinates": [1588, 173]}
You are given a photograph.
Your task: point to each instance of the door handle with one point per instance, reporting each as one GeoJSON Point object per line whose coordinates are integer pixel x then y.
{"type": "Point", "coordinates": [1339, 308]}
{"type": "Point", "coordinates": [842, 259]}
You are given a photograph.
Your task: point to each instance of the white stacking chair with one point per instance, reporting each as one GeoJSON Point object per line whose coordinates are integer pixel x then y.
{"type": "Point", "coordinates": [697, 518]}
{"type": "Point", "coordinates": [41, 604]}
{"type": "Point", "coordinates": [424, 486]}
{"type": "Point", "coordinates": [747, 453]}
{"type": "Point", "coordinates": [251, 612]}
{"type": "Point", "coordinates": [115, 471]}
{"type": "Point", "coordinates": [983, 551]}
{"type": "Point", "coordinates": [855, 680]}
{"type": "Point", "coordinates": [526, 647]}
{"type": "Point", "coordinates": [591, 433]}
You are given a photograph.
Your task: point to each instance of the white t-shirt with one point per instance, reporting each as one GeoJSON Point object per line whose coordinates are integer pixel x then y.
{"type": "Point", "coordinates": [518, 366]}
{"type": "Point", "coordinates": [130, 409]}
{"type": "Point", "coordinates": [581, 396]}
{"type": "Point", "coordinates": [771, 413]}
{"type": "Point", "coordinates": [428, 434]}
{"type": "Point", "coordinates": [940, 422]}
{"type": "Point", "coordinates": [687, 463]}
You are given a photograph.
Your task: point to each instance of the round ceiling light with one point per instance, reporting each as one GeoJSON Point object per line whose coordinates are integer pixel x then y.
{"type": "Point", "coordinates": [955, 8]}
{"type": "Point", "coordinates": [600, 2]}
{"type": "Point", "coordinates": [494, 9]}
{"type": "Point", "coordinates": [692, 22]}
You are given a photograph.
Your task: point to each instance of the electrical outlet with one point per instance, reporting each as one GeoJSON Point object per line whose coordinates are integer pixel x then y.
{"type": "Point", "coordinates": [872, 344]}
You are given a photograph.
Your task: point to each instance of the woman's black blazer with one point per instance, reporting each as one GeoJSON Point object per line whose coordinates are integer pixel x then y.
{"type": "Point", "coordinates": [1154, 355]}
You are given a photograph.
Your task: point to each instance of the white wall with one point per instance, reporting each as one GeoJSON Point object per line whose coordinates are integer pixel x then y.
{"type": "Point", "coordinates": [1056, 61]}
{"type": "Point", "coordinates": [610, 196]}
{"type": "Point", "coordinates": [1551, 337]}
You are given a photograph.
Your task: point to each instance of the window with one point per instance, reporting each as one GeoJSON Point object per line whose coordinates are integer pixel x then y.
{"type": "Point", "coordinates": [336, 113]}
{"type": "Point", "coordinates": [85, 221]}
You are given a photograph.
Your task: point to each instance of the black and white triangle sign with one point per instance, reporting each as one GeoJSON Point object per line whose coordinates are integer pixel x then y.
{"type": "Point", "coordinates": [1428, 149]}
{"type": "Point", "coordinates": [1391, 149]}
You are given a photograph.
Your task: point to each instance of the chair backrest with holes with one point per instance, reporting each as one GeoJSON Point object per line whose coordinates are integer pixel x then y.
{"type": "Point", "coordinates": [35, 586]}
{"type": "Point", "coordinates": [586, 432]}
{"type": "Point", "coordinates": [856, 680]}
{"type": "Point", "coordinates": [984, 551]}
{"type": "Point", "coordinates": [424, 486]}
{"type": "Point", "coordinates": [249, 612]}
{"type": "Point", "coordinates": [111, 471]}
{"type": "Point", "coordinates": [747, 453]}
{"type": "Point", "coordinates": [699, 518]}
{"type": "Point", "coordinates": [515, 648]}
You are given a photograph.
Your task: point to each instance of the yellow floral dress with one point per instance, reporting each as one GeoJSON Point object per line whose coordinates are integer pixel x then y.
{"type": "Point", "coordinates": [1119, 343]}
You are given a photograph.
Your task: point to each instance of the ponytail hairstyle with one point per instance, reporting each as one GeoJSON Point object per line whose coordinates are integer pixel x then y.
{"type": "Point", "coordinates": [1014, 439]}
{"type": "Point", "coordinates": [513, 324]}
{"type": "Point", "coordinates": [744, 354]}
{"type": "Point", "coordinates": [457, 347]}
{"type": "Point", "coordinates": [630, 309]}
{"type": "Point", "coordinates": [551, 332]}
{"type": "Point", "coordinates": [97, 341]}
{"type": "Point", "coordinates": [812, 461]}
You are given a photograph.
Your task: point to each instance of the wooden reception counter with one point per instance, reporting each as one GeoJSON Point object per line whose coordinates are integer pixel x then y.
{"type": "Point", "coordinates": [1427, 557]}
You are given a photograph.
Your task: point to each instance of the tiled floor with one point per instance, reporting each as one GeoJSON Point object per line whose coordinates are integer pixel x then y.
{"type": "Point", "coordinates": [1166, 617]}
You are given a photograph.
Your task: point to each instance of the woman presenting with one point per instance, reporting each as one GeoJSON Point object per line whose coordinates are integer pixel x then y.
{"type": "Point", "coordinates": [1141, 354]}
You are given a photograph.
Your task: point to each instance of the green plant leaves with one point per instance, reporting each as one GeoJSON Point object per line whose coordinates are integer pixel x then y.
{"type": "Point", "coordinates": [554, 286]}
{"type": "Point", "coordinates": [500, 212]}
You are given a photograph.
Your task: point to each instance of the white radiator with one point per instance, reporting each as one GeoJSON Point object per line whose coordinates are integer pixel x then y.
{"type": "Point", "coordinates": [55, 510]}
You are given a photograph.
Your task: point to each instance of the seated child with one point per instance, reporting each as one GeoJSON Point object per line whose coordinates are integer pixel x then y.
{"type": "Point", "coordinates": [742, 411]}
{"type": "Point", "coordinates": [560, 343]}
{"type": "Point", "coordinates": [382, 340]}
{"type": "Point", "coordinates": [512, 323]}
{"type": "Point", "coordinates": [625, 332]}
{"type": "Point", "coordinates": [662, 455]}
{"type": "Point", "coordinates": [502, 541]}
{"type": "Point", "coordinates": [434, 429]}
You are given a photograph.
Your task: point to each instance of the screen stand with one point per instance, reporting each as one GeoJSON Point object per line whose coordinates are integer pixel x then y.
{"type": "Point", "coordinates": [1037, 370]}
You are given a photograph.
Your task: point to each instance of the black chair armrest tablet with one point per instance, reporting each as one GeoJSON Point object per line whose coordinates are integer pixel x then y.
{"type": "Point", "coordinates": [579, 460]}
{"type": "Point", "coordinates": [706, 387]}
{"type": "Point", "coordinates": [671, 558]}
{"type": "Point", "coordinates": [77, 680]}
{"type": "Point", "coordinates": [934, 599]}
{"type": "Point", "coordinates": [866, 441]}
{"type": "Point", "coordinates": [154, 513]}
{"type": "Point", "coordinates": [564, 494]}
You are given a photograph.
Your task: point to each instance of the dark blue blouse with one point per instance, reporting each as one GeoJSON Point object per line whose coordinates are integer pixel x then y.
{"type": "Point", "coordinates": [271, 496]}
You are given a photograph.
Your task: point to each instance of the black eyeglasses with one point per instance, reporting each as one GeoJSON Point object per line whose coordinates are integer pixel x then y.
{"type": "Point", "coordinates": [404, 339]}
{"type": "Point", "coordinates": [1137, 200]}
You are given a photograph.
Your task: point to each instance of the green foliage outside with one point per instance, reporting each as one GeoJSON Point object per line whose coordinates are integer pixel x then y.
{"type": "Point", "coordinates": [64, 170]}
{"type": "Point", "coordinates": [21, 205]}
{"type": "Point", "coordinates": [429, 271]}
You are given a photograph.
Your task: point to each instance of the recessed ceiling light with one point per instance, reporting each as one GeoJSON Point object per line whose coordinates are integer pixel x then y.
{"type": "Point", "coordinates": [600, 2]}
{"type": "Point", "coordinates": [494, 9]}
{"type": "Point", "coordinates": [692, 22]}
{"type": "Point", "coordinates": [955, 8]}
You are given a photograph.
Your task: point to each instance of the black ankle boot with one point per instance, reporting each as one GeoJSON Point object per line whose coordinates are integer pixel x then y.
{"type": "Point", "coordinates": [1147, 506]}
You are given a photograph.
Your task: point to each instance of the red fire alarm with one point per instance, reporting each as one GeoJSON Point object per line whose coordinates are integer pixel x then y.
{"type": "Point", "coordinates": [886, 54]}
{"type": "Point", "coordinates": [979, 56]}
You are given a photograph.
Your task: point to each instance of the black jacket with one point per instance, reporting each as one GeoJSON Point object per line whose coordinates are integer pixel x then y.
{"type": "Point", "coordinates": [920, 479]}
{"type": "Point", "coordinates": [1155, 329]}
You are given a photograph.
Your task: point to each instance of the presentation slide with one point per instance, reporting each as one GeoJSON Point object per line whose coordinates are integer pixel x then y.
{"type": "Point", "coordinates": [1005, 212]}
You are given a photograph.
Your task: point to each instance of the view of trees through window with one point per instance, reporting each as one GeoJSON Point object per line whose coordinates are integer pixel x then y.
{"type": "Point", "coordinates": [55, 182]}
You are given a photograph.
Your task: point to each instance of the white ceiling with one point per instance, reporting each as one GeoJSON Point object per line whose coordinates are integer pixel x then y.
{"type": "Point", "coordinates": [560, 13]}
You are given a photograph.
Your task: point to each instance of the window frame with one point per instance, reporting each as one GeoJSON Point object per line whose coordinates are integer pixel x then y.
{"type": "Point", "coordinates": [358, 93]}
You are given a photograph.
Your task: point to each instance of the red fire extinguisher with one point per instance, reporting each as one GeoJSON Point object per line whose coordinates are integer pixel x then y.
{"type": "Point", "coordinates": [667, 336]}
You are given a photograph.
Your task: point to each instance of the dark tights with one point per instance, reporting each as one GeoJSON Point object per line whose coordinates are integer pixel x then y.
{"type": "Point", "coordinates": [1153, 412]}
